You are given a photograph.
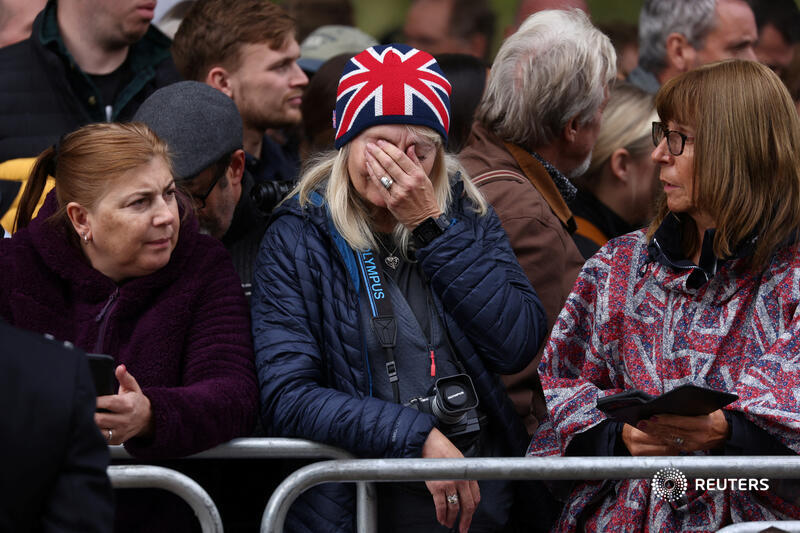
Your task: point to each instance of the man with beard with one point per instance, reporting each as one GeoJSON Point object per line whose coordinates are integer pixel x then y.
{"type": "Point", "coordinates": [534, 129]}
{"type": "Point", "coordinates": [247, 49]}
{"type": "Point", "coordinates": [203, 130]}
{"type": "Point", "coordinates": [84, 62]}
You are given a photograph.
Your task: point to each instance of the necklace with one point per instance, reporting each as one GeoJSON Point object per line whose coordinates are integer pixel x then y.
{"type": "Point", "coordinates": [391, 260]}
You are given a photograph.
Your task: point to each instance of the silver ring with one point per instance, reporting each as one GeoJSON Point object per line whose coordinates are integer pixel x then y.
{"type": "Point", "coordinates": [678, 441]}
{"type": "Point", "coordinates": [387, 182]}
{"type": "Point", "coordinates": [452, 499]}
{"type": "Point", "coordinates": [110, 433]}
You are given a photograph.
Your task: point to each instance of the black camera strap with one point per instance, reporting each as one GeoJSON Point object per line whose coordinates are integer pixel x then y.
{"type": "Point", "coordinates": [383, 322]}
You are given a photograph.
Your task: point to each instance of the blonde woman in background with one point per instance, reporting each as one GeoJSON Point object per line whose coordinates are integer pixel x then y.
{"type": "Point", "coordinates": [617, 194]}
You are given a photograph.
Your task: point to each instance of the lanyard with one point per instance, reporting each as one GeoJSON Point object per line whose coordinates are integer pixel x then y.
{"type": "Point", "coordinates": [383, 322]}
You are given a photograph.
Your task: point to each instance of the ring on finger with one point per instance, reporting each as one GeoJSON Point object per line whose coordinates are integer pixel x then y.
{"type": "Point", "coordinates": [387, 182]}
{"type": "Point", "coordinates": [110, 434]}
{"type": "Point", "coordinates": [452, 499]}
{"type": "Point", "coordinates": [678, 441]}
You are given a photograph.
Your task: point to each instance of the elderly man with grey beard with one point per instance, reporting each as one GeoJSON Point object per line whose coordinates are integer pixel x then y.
{"type": "Point", "coordinates": [535, 128]}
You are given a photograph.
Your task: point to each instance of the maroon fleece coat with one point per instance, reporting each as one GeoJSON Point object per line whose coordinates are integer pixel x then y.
{"type": "Point", "coordinates": [183, 332]}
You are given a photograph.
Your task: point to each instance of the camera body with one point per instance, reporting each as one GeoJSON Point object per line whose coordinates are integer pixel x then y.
{"type": "Point", "coordinates": [453, 401]}
{"type": "Point", "coordinates": [267, 194]}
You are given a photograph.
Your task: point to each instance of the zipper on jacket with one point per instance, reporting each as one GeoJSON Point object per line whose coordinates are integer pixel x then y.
{"type": "Point", "coordinates": [103, 318]}
{"type": "Point", "coordinates": [433, 361]}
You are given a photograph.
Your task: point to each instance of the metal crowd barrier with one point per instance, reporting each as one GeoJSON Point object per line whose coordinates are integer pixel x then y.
{"type": "Point", "coordinates": [283, 448]}
{"type": "Point", "coordinates": [148, 476]}
{"type": "Point", "coordinates": [790, 526]}
{"type": "Point", "coordinates": [550, 468]}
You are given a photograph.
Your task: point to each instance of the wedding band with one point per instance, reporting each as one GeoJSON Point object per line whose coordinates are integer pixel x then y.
{"type": "Point", "coordinates": [109, 435]}
{"type": "Point", "coordinates": [678, 441]}
{"type": "Point", "coordinates": [452, 499]}
{"type": "Point", "coordinates": [387, 182]}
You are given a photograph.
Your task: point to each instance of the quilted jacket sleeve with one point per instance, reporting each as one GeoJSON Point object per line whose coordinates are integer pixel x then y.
{"type": "Point", "coordinates": [296, 335]}
{"type": "Point", "coordinates": [472, 268]}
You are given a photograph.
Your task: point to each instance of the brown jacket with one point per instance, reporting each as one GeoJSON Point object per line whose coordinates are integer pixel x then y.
{"type": "Point", "coordinates": [538, 222]}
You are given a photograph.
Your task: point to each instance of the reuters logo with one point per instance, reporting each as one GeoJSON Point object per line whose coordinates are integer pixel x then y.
{"type": "Point", "coordinates": [669, 483]}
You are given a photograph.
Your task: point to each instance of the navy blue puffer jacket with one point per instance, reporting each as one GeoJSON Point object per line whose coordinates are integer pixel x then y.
{"type": "Point", "coordinates": [311, 352]}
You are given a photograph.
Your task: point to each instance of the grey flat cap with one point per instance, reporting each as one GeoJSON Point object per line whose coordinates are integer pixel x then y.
{"type": "Point", "coordinates": [199, 124]}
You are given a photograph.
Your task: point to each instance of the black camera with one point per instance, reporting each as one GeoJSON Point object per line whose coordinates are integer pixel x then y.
{"type": "Point", "coordinates": [267, 194]}
{"type": "Point", "coordinates": [454, 403]}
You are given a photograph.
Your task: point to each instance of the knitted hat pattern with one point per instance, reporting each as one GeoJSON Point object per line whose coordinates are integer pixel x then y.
{"type": "Point", "coordinates": [391, 84]}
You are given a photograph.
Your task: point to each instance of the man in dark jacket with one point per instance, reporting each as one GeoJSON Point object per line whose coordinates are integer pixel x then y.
{"type": "Point", "coordinates": [54, 457]}
{"type": "Point", "coordinates": [84, 62]}
{"type": "Point", "coordinates": [203, 129]}
{"type": "Point", "coordinates": [247, 49]}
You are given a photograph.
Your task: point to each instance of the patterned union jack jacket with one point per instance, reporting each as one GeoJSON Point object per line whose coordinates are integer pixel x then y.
{"type": "Point", "coordinates": [635, 321]}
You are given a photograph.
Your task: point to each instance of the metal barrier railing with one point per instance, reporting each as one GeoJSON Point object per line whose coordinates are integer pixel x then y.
{"type": "Point", "coordinates": [148, 476]}
{"type": "Point", "coordinates": [550, 468]}
{"type": "Point", "coordinates": [790, 526]}
{"type": "Point", "coordinates": [283, 448]}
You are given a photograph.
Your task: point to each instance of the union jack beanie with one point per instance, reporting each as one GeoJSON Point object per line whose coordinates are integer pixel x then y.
{"type": "Point", "coordinates": [391, 84]}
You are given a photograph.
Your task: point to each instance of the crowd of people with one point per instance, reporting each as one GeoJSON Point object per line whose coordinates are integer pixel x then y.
{"type": "Point", "coordinates": [478, 249]}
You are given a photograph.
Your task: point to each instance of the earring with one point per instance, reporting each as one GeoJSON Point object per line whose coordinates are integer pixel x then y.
{"type": "Point", "coordinates": [85, 237]}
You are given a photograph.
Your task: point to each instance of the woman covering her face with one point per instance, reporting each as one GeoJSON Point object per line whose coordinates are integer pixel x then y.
{"type": "Point", "coordinates": [384, 285]}
{"type": "Point", "coordinates": [706, 296]}
{"type": "Point", "coordinates": [114, 264]}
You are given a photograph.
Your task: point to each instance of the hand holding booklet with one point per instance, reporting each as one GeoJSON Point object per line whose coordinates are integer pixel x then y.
{"type": "Point", "coordinates": [633, 405]}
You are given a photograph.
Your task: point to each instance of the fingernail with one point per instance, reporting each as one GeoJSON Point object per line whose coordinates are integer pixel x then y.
{"type": "Point", "coordinates": [381, 142]}
{"type": "Point", "coordinates": [642, 425]}
{"type": "Point", "coordinates": [371, 146]}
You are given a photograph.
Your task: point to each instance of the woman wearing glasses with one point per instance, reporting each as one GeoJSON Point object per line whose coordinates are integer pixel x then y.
{"type": "Point", "coordinates": [707, 295]}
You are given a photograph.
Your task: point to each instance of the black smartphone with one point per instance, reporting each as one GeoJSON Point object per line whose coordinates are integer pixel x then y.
{"type": "Point", "coordinates": [102, 368]}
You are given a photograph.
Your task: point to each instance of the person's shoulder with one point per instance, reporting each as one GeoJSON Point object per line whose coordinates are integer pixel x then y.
{"type": "Point", "coordinates": [19, 61]}
{"type": "Point", "coordinates": [622, 251]}
{"type": "Point", "coordinates": [292, 214]}
{"type": "Point", "coordinates": [18, 52]}
{"type": "Point", "coordinates": [27, 351]}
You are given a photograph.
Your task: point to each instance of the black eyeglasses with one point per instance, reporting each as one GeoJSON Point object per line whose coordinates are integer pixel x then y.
{"type": "Point", "coordinates": [676, 140]}
{"type": "Point", "coordinates": [200, 200]}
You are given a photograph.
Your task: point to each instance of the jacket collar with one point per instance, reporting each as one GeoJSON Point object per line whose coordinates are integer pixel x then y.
{"type": "Point", "coordinates": [247, 217]}
{"type": "Point", "coordinates": [317, 213]}
{"type": "Point", "coordinates": [541, 179]}
{"type": "Point", "coordinates": [666, 248]}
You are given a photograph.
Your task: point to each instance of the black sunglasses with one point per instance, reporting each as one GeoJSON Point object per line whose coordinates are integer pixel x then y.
{"type": "Point", "coordinates": [676, 140]}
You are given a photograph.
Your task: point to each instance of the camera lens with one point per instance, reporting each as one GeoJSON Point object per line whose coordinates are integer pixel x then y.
{"type": "Point", "coordinates": [455, 396]}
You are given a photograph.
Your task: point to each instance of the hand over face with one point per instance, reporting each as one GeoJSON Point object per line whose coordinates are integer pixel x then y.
{"type": "Point", "coordinates": [450, 496]}
{"type": "Point", "coordinates": [131, 414]}
{"type": "Point", "coordinates": [687, 433]}
{"type": "Point", "coordinates": [408, 191]}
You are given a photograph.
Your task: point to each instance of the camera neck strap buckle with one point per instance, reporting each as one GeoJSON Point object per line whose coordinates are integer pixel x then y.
{"type": "Point", "coordinates": [384, 324]}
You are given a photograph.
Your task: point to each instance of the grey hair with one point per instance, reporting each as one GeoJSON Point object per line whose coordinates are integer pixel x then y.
{"type": "Point", "coordinates": [694, 19]}
{"type": "Point", "coordinates": [328, 175]}
{"type": "Point", "coordinates": [555, 67]}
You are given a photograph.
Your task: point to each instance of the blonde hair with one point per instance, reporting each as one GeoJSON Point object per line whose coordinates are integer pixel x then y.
{"type": "Point", "coordinates": [627, 123]}
{"type": "Point", "coordinates": [86, 162]}
{"type": "Point", "coordinates": [746, 171]}
{"type": "Point", "coordinates": [350, 214]}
